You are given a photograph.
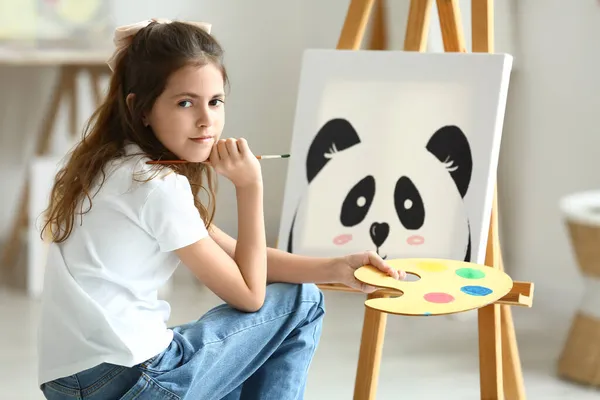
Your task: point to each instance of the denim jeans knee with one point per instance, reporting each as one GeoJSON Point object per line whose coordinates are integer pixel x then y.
{"type": "Point", "coordinates": [311, 292]}
{"type": "Point", "coordinates": [305, 292]}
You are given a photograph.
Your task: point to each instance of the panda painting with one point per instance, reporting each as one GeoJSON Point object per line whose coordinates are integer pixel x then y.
{"type": "Point", "coordinates": [398, 208]}
{"type": "Point", "coordinates": [395, 152]}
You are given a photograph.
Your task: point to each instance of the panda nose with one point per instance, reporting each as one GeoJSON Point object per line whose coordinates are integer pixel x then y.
{"type": "Point", "coordinates": [379, 232]}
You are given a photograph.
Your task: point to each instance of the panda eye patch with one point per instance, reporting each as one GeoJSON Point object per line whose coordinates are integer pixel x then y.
{"type": "Point", "coordinates": [357, 202]}
{"type": "Point", "coordinates": [409, 204]}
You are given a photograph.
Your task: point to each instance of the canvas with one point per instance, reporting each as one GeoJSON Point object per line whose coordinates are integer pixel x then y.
{"type": "Point", "coordinates": [394, 152]}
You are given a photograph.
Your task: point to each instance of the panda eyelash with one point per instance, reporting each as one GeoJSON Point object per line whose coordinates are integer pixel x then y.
{"type": "Point", "coordinates": [331, 151]}
{"type": "Point", "coordinates": [449, 164]}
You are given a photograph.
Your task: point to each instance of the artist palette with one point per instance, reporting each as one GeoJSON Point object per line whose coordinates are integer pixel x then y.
{"type": "Point", "coordinates": [444, 287]}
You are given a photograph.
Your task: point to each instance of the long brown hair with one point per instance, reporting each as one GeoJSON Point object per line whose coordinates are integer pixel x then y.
{"type": "Point", "coordinates": [156, 51]}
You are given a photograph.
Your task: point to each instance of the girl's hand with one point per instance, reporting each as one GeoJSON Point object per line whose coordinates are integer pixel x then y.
{"type": "Point", "coordinates": [348, 264]}
{"type": "Point", "coordinates": [233, 159]}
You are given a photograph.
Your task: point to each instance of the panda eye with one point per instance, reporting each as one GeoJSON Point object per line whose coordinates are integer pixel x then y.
{"type": "Point", "coordinates": [357, 202]}
{"type": "Point", "coordinates": [409, 204]}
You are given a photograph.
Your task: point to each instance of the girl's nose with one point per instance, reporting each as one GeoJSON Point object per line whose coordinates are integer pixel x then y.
{"type": "Point", "coordinates": [204, 119]}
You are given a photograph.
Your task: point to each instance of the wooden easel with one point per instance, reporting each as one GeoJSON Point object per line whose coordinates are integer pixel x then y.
{"type": "Point", "coordinates": [70, 65]}
{"type": "Point", "coordinates": [499, 364]}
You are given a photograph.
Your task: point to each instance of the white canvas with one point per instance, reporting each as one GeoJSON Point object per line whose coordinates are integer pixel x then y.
{"type": "Point", "coordinates": [394, 152]}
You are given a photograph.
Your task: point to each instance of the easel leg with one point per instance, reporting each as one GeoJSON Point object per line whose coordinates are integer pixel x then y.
{"type": "Point", "coordinates": [355, 24]}
{"type": "Point", "coordinates": [512, 374]}
{"type": "Point", "coordinates": [490, 324]}
{"type": "Point", "coordinates": [499, 361]}
{"type": "Point", "coordinates": [490, 353]}
{"type": "Point", "coordinates": [12, 244]}
{"type": "Point", "coordinates": [72, 94]}
{"type": "Point", "coordinates": [371, 347]}
{"type": "Point", "coordinates": [417, 27]}
{"type": "Point", "coordinates": [379, 34]}
{"type": "Point", "coordinates": [95, 75]}
{"type": "Point", "coordinates": [514, 386]}
{"type": "Point", "coordinates": [451, 25]}
{"type": "Point", "coordinates": [482, 27]}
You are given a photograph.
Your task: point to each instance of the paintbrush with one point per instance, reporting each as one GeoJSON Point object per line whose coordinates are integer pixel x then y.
{"type": "Point", "coordinates": [265, 157]}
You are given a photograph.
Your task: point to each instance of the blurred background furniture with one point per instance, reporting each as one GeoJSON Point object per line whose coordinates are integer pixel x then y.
{"type": "Point", "coordinates": [580, 357]}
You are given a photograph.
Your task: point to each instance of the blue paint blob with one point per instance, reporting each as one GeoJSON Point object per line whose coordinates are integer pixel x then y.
{"type": "Point", "coordinates": [427, 314]}
{"type": "Point", "coordinates": [476, 290]}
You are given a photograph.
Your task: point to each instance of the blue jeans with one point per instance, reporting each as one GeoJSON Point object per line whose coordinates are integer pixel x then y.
{"type": "Point", "coordinates": [226, 354]}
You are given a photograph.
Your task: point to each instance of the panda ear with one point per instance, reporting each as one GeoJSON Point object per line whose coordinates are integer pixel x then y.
{"type": "Point", "coordinates": [336, 135]}
{"type": "Point", "coordinates": [450, 145]}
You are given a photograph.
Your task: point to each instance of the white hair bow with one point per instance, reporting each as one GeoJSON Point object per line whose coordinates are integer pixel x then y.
{"type": "Point", "coordinates": [124, 35]}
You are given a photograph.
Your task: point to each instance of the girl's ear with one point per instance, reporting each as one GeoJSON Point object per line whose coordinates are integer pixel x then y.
{"type": "Point", "coordinates": [129, 100]}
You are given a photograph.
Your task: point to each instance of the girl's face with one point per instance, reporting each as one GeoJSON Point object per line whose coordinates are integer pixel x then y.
{"type": "Point", "coordinates": [189, 115]}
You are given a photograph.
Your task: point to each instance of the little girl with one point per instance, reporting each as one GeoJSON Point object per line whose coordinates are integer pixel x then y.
{"type": "Point", "coordinates": [120, 227]}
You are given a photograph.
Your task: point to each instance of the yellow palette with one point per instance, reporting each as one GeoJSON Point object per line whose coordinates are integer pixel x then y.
{"type": "Point", "coordinates": [444, 287]}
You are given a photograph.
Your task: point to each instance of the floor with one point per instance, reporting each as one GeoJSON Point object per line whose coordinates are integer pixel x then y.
{"type": "Point", "coordinates": [415, 365]}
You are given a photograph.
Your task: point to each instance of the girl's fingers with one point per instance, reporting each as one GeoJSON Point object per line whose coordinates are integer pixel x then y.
{"type": "Point", "coordinates": [229, 149]}
{"type": "Point", "coordinates": [243, 146]}
{"type": "Point", "coordinates": [223, 153]}
{"type": "Point", "coordinates": [232, 148]}
{"type": "Point", "coordinates": [214, 153]}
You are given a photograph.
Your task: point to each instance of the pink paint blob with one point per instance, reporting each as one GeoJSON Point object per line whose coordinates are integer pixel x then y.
{"type": "Point", "coordinates": [415, 240]}
{"type": "Point", "coordinates": [439, 298]}
{"type": "Point", "coordinates": [342, 239]}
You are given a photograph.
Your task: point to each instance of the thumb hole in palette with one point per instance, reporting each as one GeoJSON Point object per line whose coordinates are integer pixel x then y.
{"type": "Point", "coordinates": [411, 277]}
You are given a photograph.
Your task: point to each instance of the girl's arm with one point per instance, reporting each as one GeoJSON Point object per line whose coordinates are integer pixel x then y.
{"type": "Point", "coordinates": [239, 277]}
{"type": "Point", "coordinates": [250, 252]}
{"type": "Point", "coordinates": [285, 267]}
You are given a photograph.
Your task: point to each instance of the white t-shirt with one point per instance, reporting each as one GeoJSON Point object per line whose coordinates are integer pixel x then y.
{"type": "Point", "coordinates": [100, 300]}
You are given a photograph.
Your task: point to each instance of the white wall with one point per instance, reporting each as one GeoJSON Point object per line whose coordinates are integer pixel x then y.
{"type": "Point", "coordinates": [552, 143]}
{"type": "Point", "coordinates": [549, 141]}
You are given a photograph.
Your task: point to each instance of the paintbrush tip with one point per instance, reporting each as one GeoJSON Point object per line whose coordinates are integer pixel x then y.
{"type": "Point", "coordinates": [285, 156]}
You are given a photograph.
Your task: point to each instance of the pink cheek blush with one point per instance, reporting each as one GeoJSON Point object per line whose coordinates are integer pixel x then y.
{"type": "Point", "coordinates": [342, 239]}
{"type": "Point", "coordinates": [415, 240]}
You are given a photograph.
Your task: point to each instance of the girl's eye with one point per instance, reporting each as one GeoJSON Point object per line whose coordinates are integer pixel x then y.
{"type": "Point", "coordinates": [215, 102]}
{"type": "Point", "coordinates": [185, 103]}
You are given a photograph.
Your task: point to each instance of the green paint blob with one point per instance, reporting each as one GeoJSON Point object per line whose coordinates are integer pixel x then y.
{"type": "Point", "coordinates": [470, 273]}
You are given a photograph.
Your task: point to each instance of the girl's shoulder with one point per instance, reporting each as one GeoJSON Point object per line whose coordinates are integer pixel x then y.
{"type": "Point", "coordinates": [137, 161]}
{"type": "Point", "coordinates": [133, 172]}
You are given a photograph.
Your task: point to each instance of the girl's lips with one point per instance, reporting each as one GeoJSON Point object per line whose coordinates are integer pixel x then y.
{"type": "Point", "coordinates": [203, 139]}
